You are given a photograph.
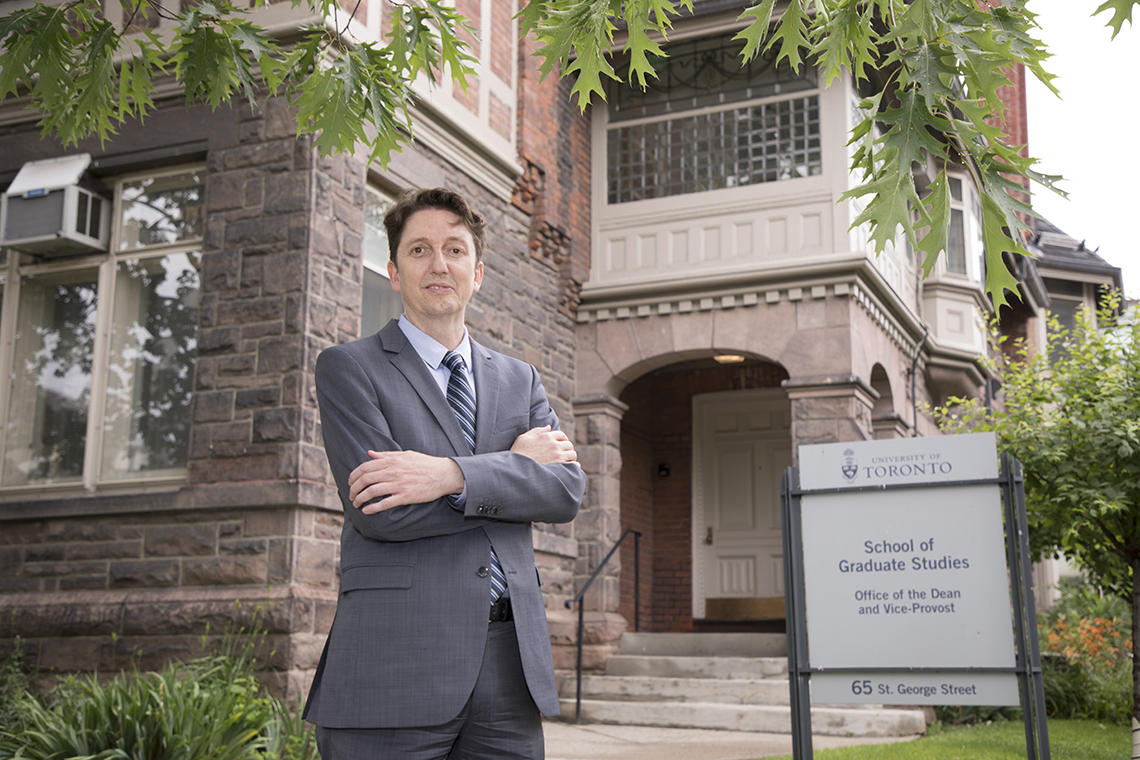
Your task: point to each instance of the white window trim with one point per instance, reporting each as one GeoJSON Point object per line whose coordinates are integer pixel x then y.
{"type": "Point", "coordinates": [970, 206]}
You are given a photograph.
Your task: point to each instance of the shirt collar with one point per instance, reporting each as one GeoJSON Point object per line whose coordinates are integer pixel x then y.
{"type": "Point", "coordinates": [430, 349]}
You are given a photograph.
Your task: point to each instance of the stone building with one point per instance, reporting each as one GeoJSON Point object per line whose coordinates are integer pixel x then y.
{"type": "Point", "coordinates": [676, 262]}
{"type": "Point", "coordinates": [162, 449]}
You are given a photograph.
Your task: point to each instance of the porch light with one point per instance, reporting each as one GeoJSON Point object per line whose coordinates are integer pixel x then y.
{"type": "Point", "coordinates": [728, 358]}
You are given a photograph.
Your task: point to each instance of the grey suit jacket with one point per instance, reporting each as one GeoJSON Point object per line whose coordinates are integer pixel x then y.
{"type": "Point", "coordinates": [407, 642]}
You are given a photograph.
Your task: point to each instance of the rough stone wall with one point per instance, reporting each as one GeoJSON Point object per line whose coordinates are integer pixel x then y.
{"type": "Point", "coordinates": [98, 593]}
{"type": "Point", "coordinates": [88, 581]}
{"type": "Point", "coordinates": [280, 280]}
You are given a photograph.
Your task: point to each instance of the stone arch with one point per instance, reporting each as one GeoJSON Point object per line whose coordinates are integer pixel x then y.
{"type": "Point", "coordinates": [659, 476]}
{"type": "Point", "coordinates": [886, 420]}
{"type": "Point", "coordinates": [798, 336]}
{"type": "Point", "coordinates": [808, 335]}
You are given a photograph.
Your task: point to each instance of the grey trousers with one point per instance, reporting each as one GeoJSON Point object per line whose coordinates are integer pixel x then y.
{"type": "Point", "coordinates": [499, 721]}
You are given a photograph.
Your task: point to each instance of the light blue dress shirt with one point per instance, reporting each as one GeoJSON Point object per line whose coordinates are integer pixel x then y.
{"type": "Point", "coordinates": [432, 352]}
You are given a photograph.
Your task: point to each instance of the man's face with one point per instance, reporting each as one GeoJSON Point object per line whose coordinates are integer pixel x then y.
{"type": "Point", "coordinates": [437, 272]}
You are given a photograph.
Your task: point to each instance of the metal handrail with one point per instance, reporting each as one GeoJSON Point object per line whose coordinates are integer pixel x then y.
{"type": "Point", "coordinates": [585, 588]}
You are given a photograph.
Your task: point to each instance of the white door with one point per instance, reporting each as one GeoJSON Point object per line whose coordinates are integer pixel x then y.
{"type": "Point", "coordinates": [742, 445]}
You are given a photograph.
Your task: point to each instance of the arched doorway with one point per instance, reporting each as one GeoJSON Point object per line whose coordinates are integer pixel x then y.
{"type": "Point", "coordinates": [703, 446]}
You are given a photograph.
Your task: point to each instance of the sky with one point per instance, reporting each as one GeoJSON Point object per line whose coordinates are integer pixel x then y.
{"type": "Point", "coordinates": [1090, 135]}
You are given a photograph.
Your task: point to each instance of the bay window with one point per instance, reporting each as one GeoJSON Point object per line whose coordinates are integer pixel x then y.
{"type": "Point", "coordinates": [965, 235]}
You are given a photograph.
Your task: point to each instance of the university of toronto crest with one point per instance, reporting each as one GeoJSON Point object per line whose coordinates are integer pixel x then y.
{"type": "Point", "coordinates": [850, 467]}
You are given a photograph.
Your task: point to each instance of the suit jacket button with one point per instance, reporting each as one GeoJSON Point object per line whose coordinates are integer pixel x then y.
{"type": "Point", "coordinates": [482, 572]}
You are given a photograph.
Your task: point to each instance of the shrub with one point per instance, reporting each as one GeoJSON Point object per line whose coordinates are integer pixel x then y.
{"type": "Point", "coordinates": [14, 683]}
{"type": "Point", "coordinates": [1086, 643]}
{"type": "Point", "coordinates": [1086, 662]}
{"type": "Point", "coordinates": [969, 715]}
{"type": "Point", "coordinates": [211, 707]}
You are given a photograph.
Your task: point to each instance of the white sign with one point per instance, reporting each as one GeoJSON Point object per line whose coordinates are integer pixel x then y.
{"type": "Point", "coordinates": [925, 688]}
{"type": "Point", "coordinates": [899, 461]}
{"type": "Point", "coordinates": [906, 577]}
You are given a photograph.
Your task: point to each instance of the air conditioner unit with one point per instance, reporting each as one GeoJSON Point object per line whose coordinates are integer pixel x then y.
{"type": "Point", "coordinates": [47, 213]}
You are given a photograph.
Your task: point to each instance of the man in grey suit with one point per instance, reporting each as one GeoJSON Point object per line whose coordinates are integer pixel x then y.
{"type": "Point", "coordinates": [444, 453]}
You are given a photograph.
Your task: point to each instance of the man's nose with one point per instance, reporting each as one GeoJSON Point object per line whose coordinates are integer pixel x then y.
{"type": "Point", "coordinates": [438, 261]}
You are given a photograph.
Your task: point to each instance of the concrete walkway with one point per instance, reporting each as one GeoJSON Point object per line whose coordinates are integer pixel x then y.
{"type": "Point", "coordinates": [596, 741]}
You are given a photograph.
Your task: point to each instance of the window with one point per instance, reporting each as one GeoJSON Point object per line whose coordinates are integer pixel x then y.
{"type": "Point", "coordinates": [707, 123]}
{"type": "Point", "coordinates": [379, 302]}
{"type": "Point", "coordinates": [100, 349]}
{"type": "Point", "coordinates": [965, 228]}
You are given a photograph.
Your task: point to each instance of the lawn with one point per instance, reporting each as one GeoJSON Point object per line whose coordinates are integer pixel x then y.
{"type": "Point", "coordinates": [1068, 740]}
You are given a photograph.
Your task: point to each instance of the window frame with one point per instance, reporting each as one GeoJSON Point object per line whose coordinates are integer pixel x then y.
{"type": "Point", "coordinates": [106, 264]}
{"type": "Point", "coordinates": [373, 191]}
{"type": "Point", "coordinates": [669, 114]}
{"type": "Point", "coordinates": [973, 251]}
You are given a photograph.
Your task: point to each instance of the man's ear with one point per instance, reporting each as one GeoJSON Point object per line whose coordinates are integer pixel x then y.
{"type": "Point", "coordinates": [394, 276]}
{"type": "Point", "coordinates": [478, 277]}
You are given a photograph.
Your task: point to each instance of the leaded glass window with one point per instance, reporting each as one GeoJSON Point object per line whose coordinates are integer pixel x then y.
{"type": "Point", "coordinates": [707, 123]}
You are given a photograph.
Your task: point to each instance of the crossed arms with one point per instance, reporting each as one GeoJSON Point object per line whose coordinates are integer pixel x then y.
{"type": "Point", "coordinates": [393, 493]}
{"type": "Point", "coordinates": [409, 477]}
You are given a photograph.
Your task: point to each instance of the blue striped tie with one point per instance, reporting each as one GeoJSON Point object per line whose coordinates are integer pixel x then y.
{"type": "Point", "coordinates": [462, 402]}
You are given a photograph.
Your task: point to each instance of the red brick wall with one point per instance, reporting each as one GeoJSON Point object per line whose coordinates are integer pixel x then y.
{"type": "Point", "coordinates": [1016, 118]}
{"type": "Point", "coordinates": [657, 430]}
{"type": "Point", "coordinates": [554, 138]}
{"type": "Point", "coordinates": [638, 478]}
{"type": "Point", "coordinates": [502, 29]}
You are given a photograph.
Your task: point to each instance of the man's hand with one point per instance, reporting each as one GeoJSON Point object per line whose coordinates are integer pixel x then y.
{"type": "Point", "coordinates": [546, 446]}
{"type": "Point", "coordinates": [402, 477]}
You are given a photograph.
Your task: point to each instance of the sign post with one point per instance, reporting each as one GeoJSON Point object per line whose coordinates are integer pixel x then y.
{"type": "Point", "coordinates": [896, 562]}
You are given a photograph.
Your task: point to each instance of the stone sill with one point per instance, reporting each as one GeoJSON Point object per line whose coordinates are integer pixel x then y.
{"type": "Point", "coordinates": [250, 494]}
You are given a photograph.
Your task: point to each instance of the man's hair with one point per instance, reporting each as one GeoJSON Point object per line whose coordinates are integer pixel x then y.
{"type": "Point", "coordinates": [435, 198]}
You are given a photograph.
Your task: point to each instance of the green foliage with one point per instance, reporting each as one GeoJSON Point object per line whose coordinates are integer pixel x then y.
{"type": "Point", "coordinates": [1121, 12]}
{"type": "Point", "coordinates": [1071, 416]}
{"type": "Point", "coordinates": [933, 68]}
{"type": "Point", "coordinates": [214, 53]}
{"type": "Point", "coordinates": [212, 708]}
{"type": "Point", "coordinates": [578, 35]}
{"type": "Point", "coordinates": [1086, 668]}
{"type": "Point", "coordinates": [14, 684]}
{"type": "Point", "coordinates": [1074, 423]}
{"type": "Point", "coordinates": [64, 58]}
{"type": "Point", "coordinates": [1083, 600]}
{"type": "Point", "coordinates": [1086, 642]}
{"type": "Point", "coordinates": [1075, 691]}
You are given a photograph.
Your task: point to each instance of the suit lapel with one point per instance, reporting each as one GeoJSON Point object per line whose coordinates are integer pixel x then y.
{"type": "Point", "coordinates": [404, 358]}
{"type": "Point", "coordinates": [487, 384]}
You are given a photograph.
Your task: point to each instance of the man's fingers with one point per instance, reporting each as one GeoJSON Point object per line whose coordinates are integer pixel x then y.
{"type": "Point", "coordinates": [381, 505]}
{"type": "Point", "coordinates": [545, 446]}
{"type": "Point", "coordinates": [402, 477]}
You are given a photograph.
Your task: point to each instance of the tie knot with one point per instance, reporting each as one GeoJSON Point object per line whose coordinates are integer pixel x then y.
{"type": "Point", "coordinates": [453, 361]}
